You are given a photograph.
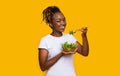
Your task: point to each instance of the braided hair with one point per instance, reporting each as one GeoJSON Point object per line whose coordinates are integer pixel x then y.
{"type": "Point", "coordinates": [49, 12]}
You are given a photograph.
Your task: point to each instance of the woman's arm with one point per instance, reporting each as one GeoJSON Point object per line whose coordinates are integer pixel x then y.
{"type": "Point", "coordinates": [43, 59]}
{"type": "Point", "coordinates": [84, 48]}
{"type": "Point", "coordinates": [45, 64]}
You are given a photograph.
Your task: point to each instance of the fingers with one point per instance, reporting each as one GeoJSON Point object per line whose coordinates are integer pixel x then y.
{"type": "Point", "coordinates": [75, 50]}
{"type": "Point", "coordinates": [70, 52]}
{"type": "Point", "coordinates": [83, 29]}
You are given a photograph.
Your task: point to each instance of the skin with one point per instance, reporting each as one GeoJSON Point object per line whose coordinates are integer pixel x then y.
{"type": "Point", "coordinates": [58, 20]}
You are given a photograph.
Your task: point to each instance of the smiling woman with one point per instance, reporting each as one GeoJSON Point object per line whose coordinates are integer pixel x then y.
{"type": "Point", "coordinates": [52, 56]}
{"type": "Point", "coordinates": [54, 17]}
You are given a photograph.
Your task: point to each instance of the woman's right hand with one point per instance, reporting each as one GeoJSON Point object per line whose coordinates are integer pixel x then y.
{"type": "Point", "coordinates": [69, 52]}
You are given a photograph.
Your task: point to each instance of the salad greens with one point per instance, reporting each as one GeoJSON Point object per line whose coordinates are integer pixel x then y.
{"type": "Point", "coordinates": [71, 32]}
{"type": "Point", "coordinates": [68, 46]}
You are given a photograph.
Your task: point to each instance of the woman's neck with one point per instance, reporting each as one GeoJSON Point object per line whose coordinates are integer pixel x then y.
{"type": "Point", "coordinates": [57, 34]}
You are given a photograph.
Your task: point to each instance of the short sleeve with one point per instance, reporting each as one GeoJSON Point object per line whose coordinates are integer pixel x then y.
{"type": "Point", "coordinates": [42, 44]}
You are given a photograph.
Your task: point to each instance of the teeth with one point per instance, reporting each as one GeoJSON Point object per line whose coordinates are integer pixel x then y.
{"type": "Point", "coordinates": [62, 27]}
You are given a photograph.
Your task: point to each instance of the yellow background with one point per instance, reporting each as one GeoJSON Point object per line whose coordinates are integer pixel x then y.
{"type": "Point", "coordinates": [21, 30]}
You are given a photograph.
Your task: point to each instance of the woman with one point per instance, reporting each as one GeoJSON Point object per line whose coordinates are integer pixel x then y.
{"type": "Point", "coordinates": [52, 57]}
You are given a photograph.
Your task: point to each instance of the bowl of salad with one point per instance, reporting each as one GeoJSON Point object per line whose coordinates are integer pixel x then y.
{"type": "Point", "coordinates": [69, 47]}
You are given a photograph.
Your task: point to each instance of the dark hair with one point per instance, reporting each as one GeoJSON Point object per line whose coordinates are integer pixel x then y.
{"type": "Point", "coordinates": [49, 12]}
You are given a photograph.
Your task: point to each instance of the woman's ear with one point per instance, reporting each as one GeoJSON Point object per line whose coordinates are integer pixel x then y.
{"type": "Point", "coordinates": [50, 25]}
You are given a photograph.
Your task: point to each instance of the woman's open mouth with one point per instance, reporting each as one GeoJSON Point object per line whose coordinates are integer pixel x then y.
{"type": "Point", "coordinates": [62, 27]}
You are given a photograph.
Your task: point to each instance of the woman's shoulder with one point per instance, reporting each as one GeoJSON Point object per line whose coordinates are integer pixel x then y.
{"type": "Point", "coordinates": [68, 35]}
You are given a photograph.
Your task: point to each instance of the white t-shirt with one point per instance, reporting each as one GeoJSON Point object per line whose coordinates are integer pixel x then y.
{"type": "Point", "coordinates": [64, 66]}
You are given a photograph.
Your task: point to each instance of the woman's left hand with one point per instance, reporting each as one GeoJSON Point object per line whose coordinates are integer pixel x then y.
{"type": "Point", "coordinates": [83, 30]}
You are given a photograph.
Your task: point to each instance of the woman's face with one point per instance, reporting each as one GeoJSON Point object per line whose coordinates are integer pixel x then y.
{"type": "Point", "coordinates": [58, 22]}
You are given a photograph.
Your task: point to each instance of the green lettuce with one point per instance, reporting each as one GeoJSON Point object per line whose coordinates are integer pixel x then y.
{"type": "Point", "coordinates": [68, 46]}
